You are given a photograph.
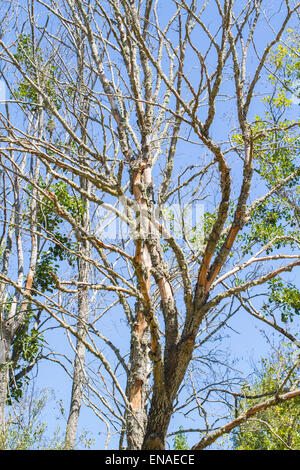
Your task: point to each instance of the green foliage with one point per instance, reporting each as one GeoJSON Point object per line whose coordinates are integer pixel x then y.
{"type": "Point", "coordinates": [180, 441]}
{"type": "Point", "coordinates": [275, 150]}
{"type": "Point", "coordinates": [27, 345]}
{"type": "Point", "coordinates": [271, 220]}
{"type": "Point", "coordinates": [51, 221]}
{"type": "Point", "coordinates": [44, 75]}
{"type": "Point", "coordinates": [26, 428]}
{"type": "Point", "coordinates": [48, 216]}
{"type": "Point", "coordinates": [28, 341]}
{"type": "Point", "coordinates": [209, 220]}
{"type": "Point", "coordinates": [286, 64]}
{"type": "Point", "coordinates": [284, 296]}
{"type": "Point", "coordinates": [278, 427]}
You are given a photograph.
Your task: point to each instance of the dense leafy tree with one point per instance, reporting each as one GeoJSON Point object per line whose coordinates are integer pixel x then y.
{"type": "Point", "coordinates": [277, 428]}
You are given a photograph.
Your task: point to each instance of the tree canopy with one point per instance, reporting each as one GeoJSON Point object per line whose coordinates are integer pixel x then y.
{"type": "Point", "coordinates": [149, 205]}
{"type": "Point", "coordinates": [277, 428]}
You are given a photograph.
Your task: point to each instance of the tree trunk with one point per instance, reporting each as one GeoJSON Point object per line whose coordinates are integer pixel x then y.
{"type": "Point", "coordinates": [4, 383]}
{"type": "Point", "coordinates": [78, 374]}
{"type": "Point", "coordinates": [137, 385]}
{"type": "Point", "coordinates": [139, 371]}
{"type": "Point", "coordinates": [158, 422]}
{"type": "Point", "coordinates": [83, 314]}
{"type": "Point", "coordinates": [83, 265]}
{"type": "Point", "coordinates": [164, 394]}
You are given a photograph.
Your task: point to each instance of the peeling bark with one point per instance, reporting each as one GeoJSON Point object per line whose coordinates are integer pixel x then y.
{"type": "Point", "coordinates": [137, 385]}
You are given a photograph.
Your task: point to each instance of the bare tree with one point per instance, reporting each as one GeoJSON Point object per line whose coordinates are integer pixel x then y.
{"type": "Point", "coordinates": [148, 108]}
{"type": "Point", "coordinates": [84, 248]}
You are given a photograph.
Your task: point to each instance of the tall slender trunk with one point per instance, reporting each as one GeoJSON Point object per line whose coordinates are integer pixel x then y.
{"type": "Point", "coordinates": [3, 395]}
{"type": "Point", "coordinates": [83, 263]}
{"type": "Point", "coordinates": [83, 315]}
{"type": "Point", "coordinates": [78, 373]}
{"type": "Point", "coordinates": [5, 346]}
